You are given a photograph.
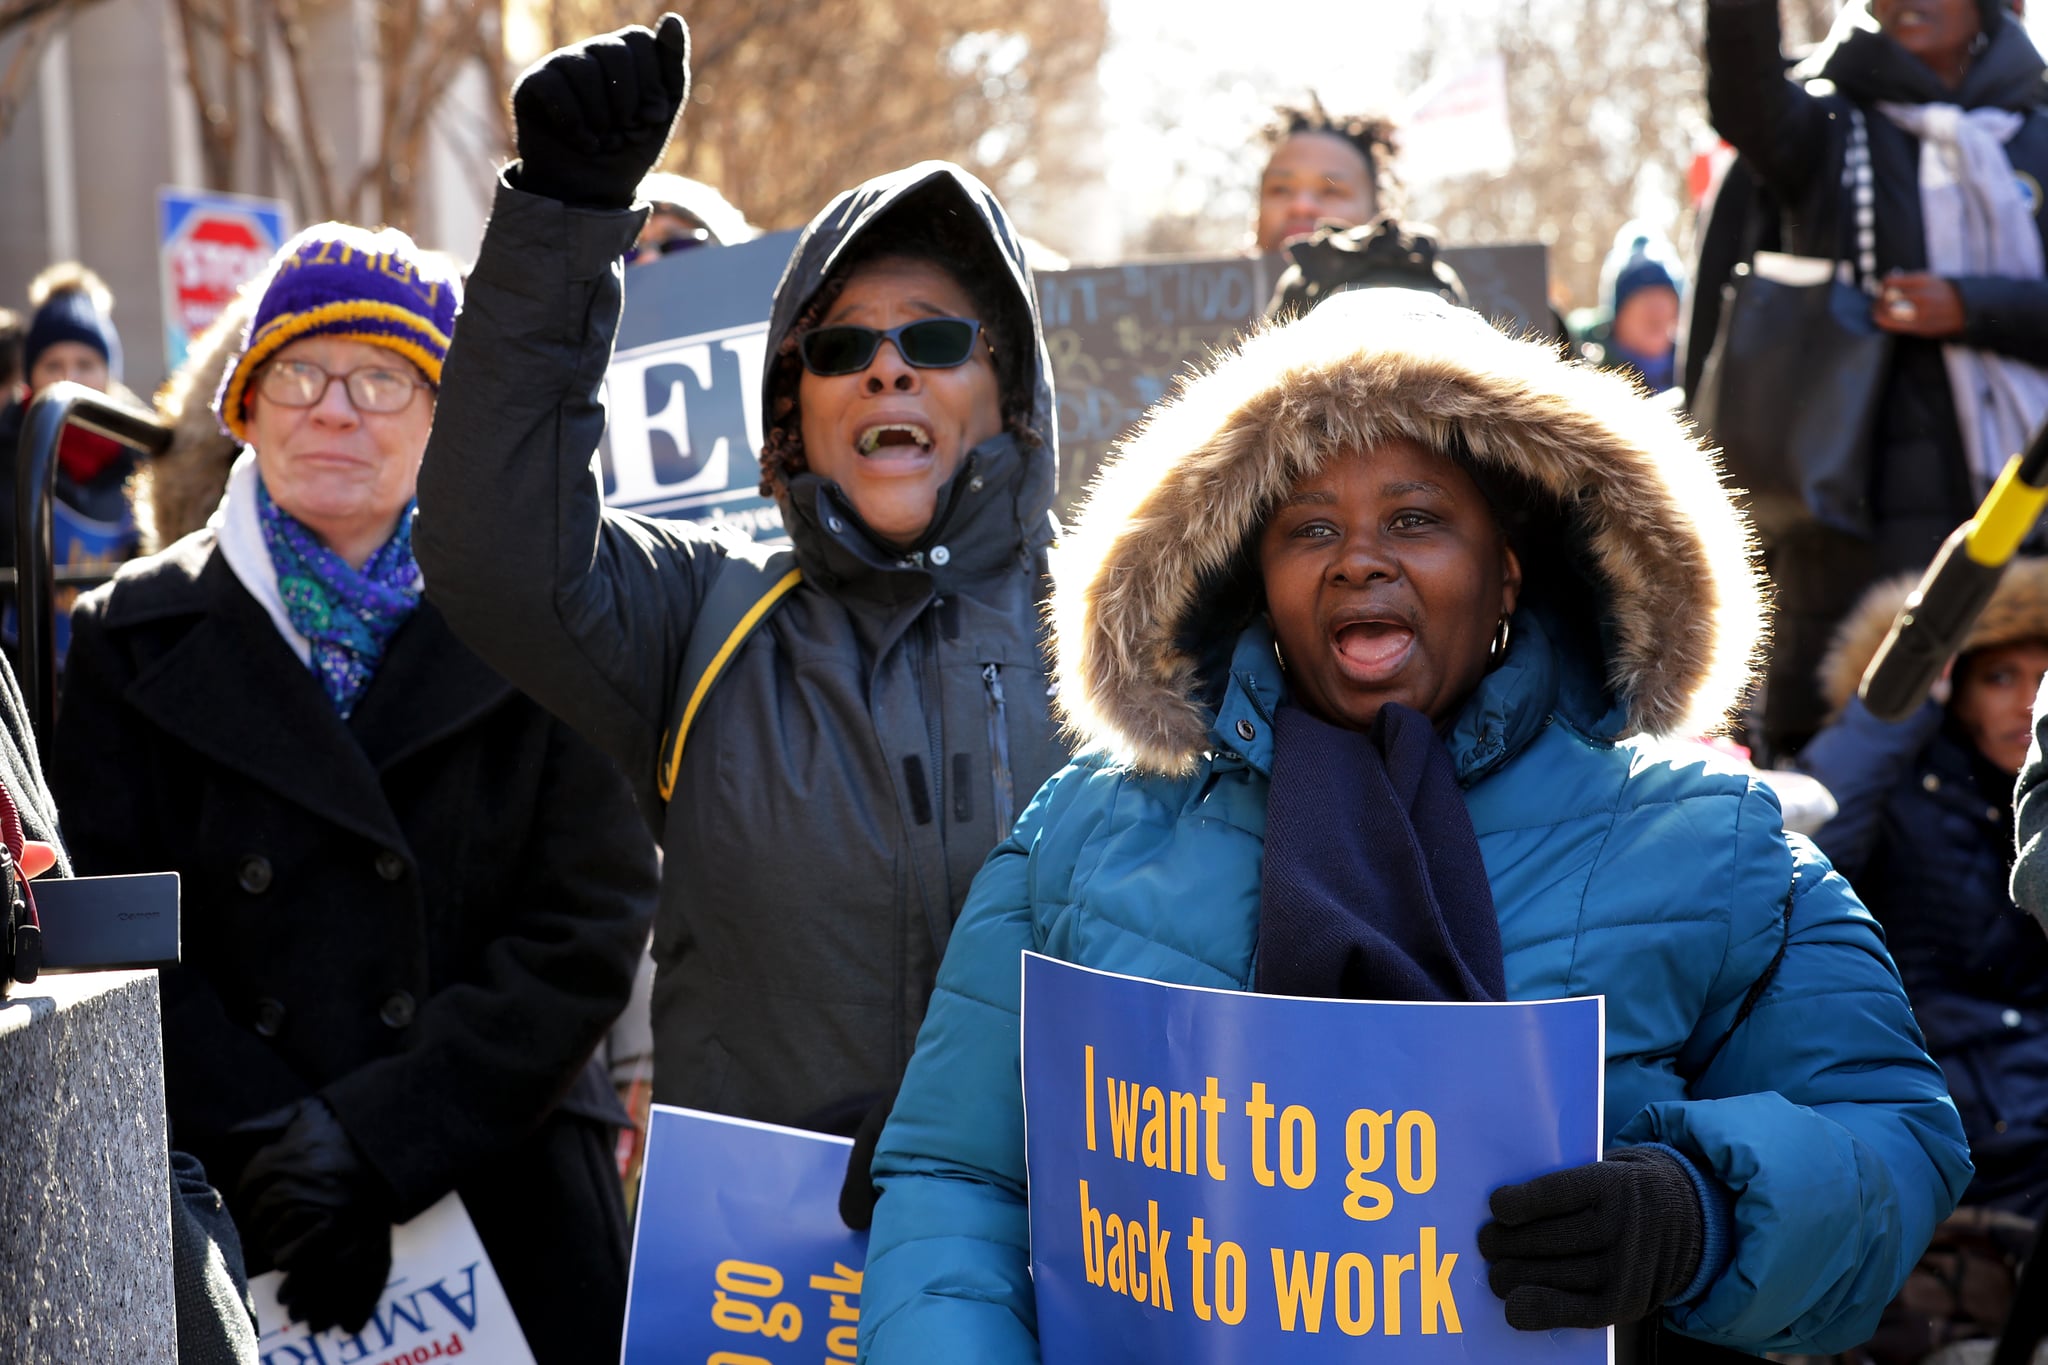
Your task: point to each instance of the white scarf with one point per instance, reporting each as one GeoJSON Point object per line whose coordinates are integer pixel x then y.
{"type": "Point", "coordinates": [239, 532]}
{"type": "Point", "coordinates": [1977, 224]}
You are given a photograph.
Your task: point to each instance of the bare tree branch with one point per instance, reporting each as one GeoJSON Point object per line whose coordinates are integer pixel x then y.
{"type": "Point", "coordinates": [21, 68]}
{"type": "Point", "coordinates": [15, 14]}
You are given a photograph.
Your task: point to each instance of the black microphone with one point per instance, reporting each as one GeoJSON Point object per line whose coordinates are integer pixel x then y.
{"type": "Point", "coordinates": [1937, 618]}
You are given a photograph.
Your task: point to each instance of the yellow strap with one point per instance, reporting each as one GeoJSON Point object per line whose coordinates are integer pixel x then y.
{"type": "Point", "coordinates": [667, 776]}
{"type": "Point", "coordinates": [2008, 513]}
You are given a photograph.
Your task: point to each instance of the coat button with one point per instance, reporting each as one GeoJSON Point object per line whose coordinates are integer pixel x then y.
{"type": "Point", "coordinates": [1931, 783]}
{"type": "Point", "coordinates": [2011, 1019]}
{"type": "Point", "coordinates": [268, 1020]}
{"type": "Point", "coordinates": [390, 866]}
{"type": "Point", "coordinates": [941, 556]}
{"type": "Point", "coordinates": [1246, 731]}
{"type": "Point", "coordinates": [253, 875]}
{"type": "Point", "coordinates": [397, 1010]}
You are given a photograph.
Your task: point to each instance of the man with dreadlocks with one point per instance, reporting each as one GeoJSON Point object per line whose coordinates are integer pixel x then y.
{"type": "Point", "coordinates": [1324, 168]}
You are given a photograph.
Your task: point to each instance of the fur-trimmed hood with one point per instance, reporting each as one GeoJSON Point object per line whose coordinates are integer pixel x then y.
{"type": "Point", "coordinates": [2018, 610]}
{"type": "Point", "coordinates": [177, 491]}
{"type": "Point", "coordinates": [1681, 606]}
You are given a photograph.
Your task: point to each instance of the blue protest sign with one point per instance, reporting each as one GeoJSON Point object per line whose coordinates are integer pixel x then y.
{"type": "Point", "coordinates": [739, 1257]}
{"type": "Point", "coordinates": [1218, 1176]}
{"type": "Point", "coordinates": [209, 245]}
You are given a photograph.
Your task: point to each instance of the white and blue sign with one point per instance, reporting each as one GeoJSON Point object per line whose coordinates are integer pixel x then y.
{"type": "Point", "coordinates": [683, 395]}
{"type": "Point", "coordinates": [1218, 1176]}
{"type": "Point", "coordinates": [739, 1256]}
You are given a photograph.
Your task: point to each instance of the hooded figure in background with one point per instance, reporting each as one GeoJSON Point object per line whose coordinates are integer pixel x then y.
{"type": "Point", "coordinates": [1386, 549]}
{"type": "Point", "coordinates": [1924, 831]}
{"type": "Point", "coordinates": [176, 491]}
{"type": "Point", "coordinates": [873, 737]}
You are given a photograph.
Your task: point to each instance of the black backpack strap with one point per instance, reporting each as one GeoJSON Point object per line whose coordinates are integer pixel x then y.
{"type": "Point", "coordinates": [750, 583]}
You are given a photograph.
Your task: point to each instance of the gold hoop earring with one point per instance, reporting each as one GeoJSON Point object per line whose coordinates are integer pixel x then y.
{"type": "Point", "coordinates": [1500, 642]}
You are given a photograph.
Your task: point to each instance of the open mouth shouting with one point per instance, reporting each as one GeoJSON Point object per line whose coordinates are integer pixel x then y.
{"type": "Point", "coordinates": [1372, 644]}
{"type": "Point", "coordinates": [895, 437]}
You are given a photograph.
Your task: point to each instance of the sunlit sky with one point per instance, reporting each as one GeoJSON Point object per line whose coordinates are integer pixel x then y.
{"type": "Point", "coordinates": [1185, 81]}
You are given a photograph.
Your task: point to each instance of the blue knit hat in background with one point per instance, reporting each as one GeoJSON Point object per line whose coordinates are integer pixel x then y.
{"type": "Point", "coordinates": [336, 280]}
{"type": "Point", "coordinates": [1641, 258]}
{"type": "Point", "coordinates": [71, 304]}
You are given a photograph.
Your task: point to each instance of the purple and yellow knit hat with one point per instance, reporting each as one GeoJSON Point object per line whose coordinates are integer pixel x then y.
{"type": "Point", "coordinates": [337, 280]}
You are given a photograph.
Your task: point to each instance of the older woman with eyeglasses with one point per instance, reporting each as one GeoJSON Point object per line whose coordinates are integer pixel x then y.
{"type": "Point", "coordinates": [412, 899]}
{"type": "Point", "coordinates": [825, 804]}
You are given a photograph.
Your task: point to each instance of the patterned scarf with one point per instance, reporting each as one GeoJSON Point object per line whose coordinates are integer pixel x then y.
{"type": "Point", "coordinates": [347, 615]}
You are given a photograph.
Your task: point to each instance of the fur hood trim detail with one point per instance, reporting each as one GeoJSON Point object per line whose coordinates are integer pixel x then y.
{"type": "Point", "coordinates": [2018, 610]}
{"type": "Point", "coordinates": [177, 491]}
{"type": "Point", "coordinates": [1174, 504]}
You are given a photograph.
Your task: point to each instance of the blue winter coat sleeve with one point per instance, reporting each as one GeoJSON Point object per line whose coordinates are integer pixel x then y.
{"type": "Point", "coordinates": [1820, 1112]}
{"type": "Point", "coordinates": [1860, 760]}
{"type": "Point", "coordinates": [948, 1274]}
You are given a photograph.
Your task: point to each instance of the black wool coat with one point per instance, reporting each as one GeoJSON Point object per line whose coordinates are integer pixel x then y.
{"type": "Point", "coordinates": [427, 914]}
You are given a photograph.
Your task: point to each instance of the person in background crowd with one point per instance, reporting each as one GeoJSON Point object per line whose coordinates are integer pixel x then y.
{"type": "Point", "coordinates": [412, 899]}
{"type": "Point", "coordinates": [1387, 569]}
{"type": "Point", "coordinates": [683, 213]}
{"type": "Point", "coordinates": [890, 715]}
{"type": "Point", "coordinates": [1964, 391]}
{"type": "Point", "coordinates": [12, 333]}
{"type": "Point", "coordinates": [1381, 255]}
{"type": "Point", "coordinates": [71, 335]}
{"type": "Point", "coordinates": [1637, 330]}
{"type": "Point", "coordinates": [175, 492]}
{"type": "Point", "coordinates": [1924, 831]}
{"type": "Point", "coordinates": [1324, 169]}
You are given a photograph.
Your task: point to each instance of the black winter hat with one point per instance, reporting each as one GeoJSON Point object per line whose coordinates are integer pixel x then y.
{"type": "Point", "coordinates": [1377, 255]}
{"type": "Point", "coordinates": [72, 313]}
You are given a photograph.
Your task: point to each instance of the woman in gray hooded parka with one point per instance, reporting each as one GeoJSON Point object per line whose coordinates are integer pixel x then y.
{"type": "Point", "coordinates": [872, 739]}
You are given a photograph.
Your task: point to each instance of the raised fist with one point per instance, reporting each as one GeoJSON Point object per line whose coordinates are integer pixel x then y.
{"type": "Point", "coordinates": [592, 118]}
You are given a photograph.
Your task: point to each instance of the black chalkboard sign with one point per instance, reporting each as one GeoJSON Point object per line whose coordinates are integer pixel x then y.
{"type": "Point", "coordinates": [1121, 335]}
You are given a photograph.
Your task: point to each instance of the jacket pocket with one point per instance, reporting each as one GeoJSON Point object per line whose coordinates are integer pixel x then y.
{"type": "Point", "coordinates": [1003, 796]}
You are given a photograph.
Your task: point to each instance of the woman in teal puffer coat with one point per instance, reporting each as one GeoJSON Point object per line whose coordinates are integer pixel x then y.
{"type": "Point", "coordinates": [1384, 516]}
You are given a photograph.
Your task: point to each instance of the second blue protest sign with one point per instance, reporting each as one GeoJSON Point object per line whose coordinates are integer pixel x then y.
{"type": "Point", "coordinates": [1219, 1176]}
{"type": "Point", "coordinates": [739, 1257]}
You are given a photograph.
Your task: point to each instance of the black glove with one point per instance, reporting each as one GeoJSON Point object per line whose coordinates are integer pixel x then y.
{"type": "Point", "coordinates": [1595, 1245]}
{"type": "Point", "coordinates": [591, 119]}
{"type": "Point", "coordinates": [858, 1196]}
{"type": "Point", "coordinates": [325, 1218]}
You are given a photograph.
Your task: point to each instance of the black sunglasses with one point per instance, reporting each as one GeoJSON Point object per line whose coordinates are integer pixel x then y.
{"type": "Point", "coordinates": [928, 343]}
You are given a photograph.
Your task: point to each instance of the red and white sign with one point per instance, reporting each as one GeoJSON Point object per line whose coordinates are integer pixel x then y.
{"type": "Point", "coordinates": [212, 244]}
